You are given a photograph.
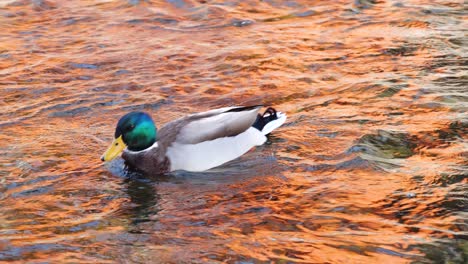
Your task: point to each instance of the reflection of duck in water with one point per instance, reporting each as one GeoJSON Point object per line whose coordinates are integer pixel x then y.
{"type": "Point", "coordinates": [197, 142]}
{"type": "Point", "coordinates": [144, 199]}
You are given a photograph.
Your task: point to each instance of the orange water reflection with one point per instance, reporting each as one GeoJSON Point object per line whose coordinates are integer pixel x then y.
{"type": "Point", "coordinates": [369, 167]}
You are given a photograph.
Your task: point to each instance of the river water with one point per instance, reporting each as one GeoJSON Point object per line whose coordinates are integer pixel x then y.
{"type": "Point", "coordinates": [370, 167]}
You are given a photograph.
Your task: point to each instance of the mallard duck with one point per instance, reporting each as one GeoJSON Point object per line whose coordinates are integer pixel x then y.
{"type": "Point", "coordinates": [196, 142]}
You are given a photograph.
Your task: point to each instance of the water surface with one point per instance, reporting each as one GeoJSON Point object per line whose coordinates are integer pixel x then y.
{"type": "Point", "coordinates": [369, 168]}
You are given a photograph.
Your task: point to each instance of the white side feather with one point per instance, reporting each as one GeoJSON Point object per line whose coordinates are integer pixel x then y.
{"type": "Point", "coordinates": [209, 154]}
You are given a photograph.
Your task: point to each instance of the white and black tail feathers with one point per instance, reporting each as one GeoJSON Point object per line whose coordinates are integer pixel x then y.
{"type": "Point", "coordinates": [269, 121]}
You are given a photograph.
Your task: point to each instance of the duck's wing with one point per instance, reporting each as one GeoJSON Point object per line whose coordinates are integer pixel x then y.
{"type": "Point", "coordinates": [217, 124]}
{"type": "Point", "coordinates": [206, 140]}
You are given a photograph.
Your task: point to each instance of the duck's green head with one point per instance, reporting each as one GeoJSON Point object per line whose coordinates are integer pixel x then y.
{"type": "Point", "coordinates": [136, 131]}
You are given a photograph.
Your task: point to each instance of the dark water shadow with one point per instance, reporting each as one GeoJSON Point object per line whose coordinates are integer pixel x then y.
{"type": "Point", "coordinates": [143, 198]}
{"type": "Point", "coordinates": [144, 191]}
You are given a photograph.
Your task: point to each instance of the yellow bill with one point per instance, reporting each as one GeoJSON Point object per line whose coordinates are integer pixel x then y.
{"type": "Point", "coordinates": [114, 149]}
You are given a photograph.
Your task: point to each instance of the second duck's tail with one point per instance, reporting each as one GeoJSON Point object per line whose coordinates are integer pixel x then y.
{"type": "Point", "coordinates": [269, 121]}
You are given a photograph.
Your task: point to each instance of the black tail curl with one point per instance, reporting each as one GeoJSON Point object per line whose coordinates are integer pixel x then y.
{"type": "Point", "coordinates": [268, 116]}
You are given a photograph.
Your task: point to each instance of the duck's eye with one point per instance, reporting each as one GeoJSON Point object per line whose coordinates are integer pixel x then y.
{"type": "Point", "coordinates": [130, 127]}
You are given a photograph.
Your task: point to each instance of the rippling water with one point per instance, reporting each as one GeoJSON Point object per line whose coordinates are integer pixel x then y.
{"type": "Point", "coordinates": [370, 167]}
